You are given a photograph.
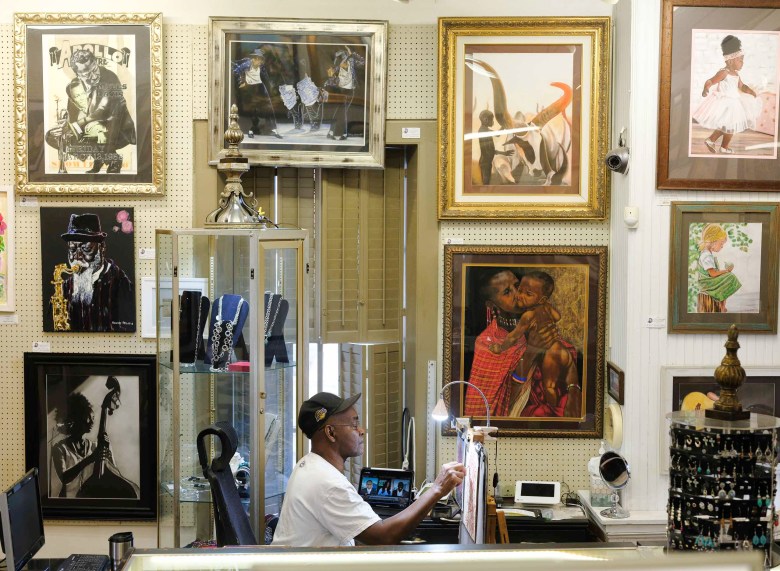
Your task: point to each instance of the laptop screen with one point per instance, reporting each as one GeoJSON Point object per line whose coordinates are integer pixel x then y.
{"type": "Point", "coordinates": [386, 487]}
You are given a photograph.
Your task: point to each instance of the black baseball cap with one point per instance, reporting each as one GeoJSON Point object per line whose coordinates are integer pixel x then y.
{"type": "Point", "coordinates": [319, 408]}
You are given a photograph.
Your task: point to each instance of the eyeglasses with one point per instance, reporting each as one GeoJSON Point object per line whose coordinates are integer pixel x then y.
{"type": "Point", "coordinates": [355, 425]}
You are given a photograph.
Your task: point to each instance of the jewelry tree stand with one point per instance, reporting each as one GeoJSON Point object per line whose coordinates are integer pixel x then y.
{"type": "Point", "coordinates": [721, 476]}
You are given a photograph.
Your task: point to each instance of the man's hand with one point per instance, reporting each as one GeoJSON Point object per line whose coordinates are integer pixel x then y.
{"type": "Point", "coordinates": [450, 476]}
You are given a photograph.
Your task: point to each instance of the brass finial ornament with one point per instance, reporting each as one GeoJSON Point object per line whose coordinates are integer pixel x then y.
{"type": "Point", "coordinates": [729, 376]}
{"type": "Point", "coordinates": [235, 210]}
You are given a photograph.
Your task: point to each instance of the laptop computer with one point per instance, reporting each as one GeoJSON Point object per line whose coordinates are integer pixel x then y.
{"type": "Point", "coordinates": [387, 490]}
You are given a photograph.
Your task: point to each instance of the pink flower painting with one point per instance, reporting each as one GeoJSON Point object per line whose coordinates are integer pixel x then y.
{"type": "Point", "coordinates": [124, 222]}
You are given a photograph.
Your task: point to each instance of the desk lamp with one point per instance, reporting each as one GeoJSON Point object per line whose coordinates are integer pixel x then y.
{"type": "Point", "coordinates": [440, 413]}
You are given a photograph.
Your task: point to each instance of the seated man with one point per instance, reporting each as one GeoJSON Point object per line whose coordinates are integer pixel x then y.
{"type": "Point", "coordinates": [321, 507]}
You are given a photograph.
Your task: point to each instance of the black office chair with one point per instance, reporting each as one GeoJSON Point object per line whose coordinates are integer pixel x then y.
{"type": "Point", "coordinates": [230, 518]}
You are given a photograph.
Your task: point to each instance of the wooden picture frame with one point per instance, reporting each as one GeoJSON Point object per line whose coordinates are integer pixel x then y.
{"type": "Point", "coordinates": [552, 118]}
{"type": "Point", "coordinates": [326, 102]}
{"type": "Point", "coordinates": [7, 229]}
{"type": "Point", "coordinates": [741, 279]}
{"type": "Point", "coordinates": [710, 49]}
{"type": "Point", "coordinates": [69, 399]}
{"type": "Point", "coordinates": [485, 291]}
{"type": "Point", "coordinates": [88, 103]}
{"type": "Point", "coordinates": [616, 381]}
{"type": "Point", "coordinates": [100, 296]}
{"type": "Point", "coordinates": [760, 393]}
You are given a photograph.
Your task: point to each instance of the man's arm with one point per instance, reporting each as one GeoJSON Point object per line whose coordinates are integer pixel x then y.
{"type": "Point", "coordinates": [392, 530]}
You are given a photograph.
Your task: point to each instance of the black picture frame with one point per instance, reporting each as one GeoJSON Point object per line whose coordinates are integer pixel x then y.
{"type": "Point", "coordinates": [52, 383]}
{"type": "Point", "coordinates": [616, 382]}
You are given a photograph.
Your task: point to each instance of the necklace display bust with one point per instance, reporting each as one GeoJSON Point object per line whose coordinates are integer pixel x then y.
{"type": "Point", "coordinates": [193, 313]}
{"type": "Point", "coordinates": [228, 317]}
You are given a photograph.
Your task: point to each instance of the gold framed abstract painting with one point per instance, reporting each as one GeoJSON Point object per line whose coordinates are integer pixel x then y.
{"type": "Point", "coordinates": [523, 117]}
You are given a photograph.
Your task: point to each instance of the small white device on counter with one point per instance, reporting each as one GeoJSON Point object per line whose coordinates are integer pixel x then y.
{"type": "Point", "coordinates": [537, 493]}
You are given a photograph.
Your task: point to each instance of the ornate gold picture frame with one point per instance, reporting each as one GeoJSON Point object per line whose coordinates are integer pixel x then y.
{"type": "Point", "coordinates": [539, 362]}
{"type": "Point", "coordinates": [88, 103]}
{"type": "Point", "coordinates": [523, 117]}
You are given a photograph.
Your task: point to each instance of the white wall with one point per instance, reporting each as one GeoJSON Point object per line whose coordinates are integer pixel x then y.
{"type": "Point", "coordinates": [647, 274]}
{"type": "Point", "coordinates": [415, 12]}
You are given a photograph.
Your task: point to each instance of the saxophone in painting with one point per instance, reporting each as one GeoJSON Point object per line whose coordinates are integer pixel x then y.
{"type": "Point", "coordinates": [59, 306]}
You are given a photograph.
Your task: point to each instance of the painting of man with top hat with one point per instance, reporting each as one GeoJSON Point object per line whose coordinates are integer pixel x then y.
{"type": "Point", "coordinates": [88, 286]}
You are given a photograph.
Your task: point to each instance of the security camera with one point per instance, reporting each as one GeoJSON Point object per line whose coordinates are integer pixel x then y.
{"type": "Point", "coordinates": [617, 159]}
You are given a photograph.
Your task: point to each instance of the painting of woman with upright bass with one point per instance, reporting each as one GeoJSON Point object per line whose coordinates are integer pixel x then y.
{"type": "Point", "coordinates": [87, 468]}
{"type": "Point", "coordinates": [91, 433]}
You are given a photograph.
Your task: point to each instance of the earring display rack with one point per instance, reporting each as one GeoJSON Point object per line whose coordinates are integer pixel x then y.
{"type": "Point", "coordinates": [722, 484]}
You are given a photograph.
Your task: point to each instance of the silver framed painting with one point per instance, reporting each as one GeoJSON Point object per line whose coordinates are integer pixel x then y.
{"type": "Point", "coordinates": [88, 103]}
{"type": "Point", "coordinates": [309, 93]}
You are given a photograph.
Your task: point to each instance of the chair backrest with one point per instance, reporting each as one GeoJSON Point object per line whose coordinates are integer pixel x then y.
{"type": "Point", "coordinates": [230, 518]}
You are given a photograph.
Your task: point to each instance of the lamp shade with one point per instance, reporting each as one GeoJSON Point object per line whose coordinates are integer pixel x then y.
{"type": "Point", "coordinates": [440, 412]}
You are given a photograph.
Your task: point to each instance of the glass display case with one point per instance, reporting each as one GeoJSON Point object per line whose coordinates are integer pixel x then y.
{"type": "Point", "coordinates": [231, 336]}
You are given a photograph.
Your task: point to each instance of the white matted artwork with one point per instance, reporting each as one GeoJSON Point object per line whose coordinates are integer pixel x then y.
{"type": "Point", "coordinates": [694, 388]}
{"type": "Point", "coordinates": [149, 300]}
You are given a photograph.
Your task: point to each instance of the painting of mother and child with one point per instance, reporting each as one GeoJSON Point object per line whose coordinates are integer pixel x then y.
{"type": "Point", "coordinates": [526, 329]}
{"type": "Point", "coordinates": [724, 265]}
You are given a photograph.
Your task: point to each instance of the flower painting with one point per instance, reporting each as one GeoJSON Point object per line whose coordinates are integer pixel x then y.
{"type": "Point", "coordinates": [6, 260]}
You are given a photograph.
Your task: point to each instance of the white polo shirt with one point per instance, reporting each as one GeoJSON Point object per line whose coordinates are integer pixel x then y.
{"type": "Point", "coordinates": [321, 507]}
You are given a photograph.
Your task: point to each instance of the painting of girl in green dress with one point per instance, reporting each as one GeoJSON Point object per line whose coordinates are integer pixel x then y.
{"type": "Point", "coordinates": [724, 263]}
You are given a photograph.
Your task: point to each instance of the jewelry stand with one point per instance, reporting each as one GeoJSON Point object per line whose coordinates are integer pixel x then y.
{"type": "Point", "coordinates": [193, 312]}
{"type": "Point", "coordinates": [722, 472]}
{"type": "Point", "coordinates": [229, 313]}
{"type": "Point", "coordinates": [276, 312]}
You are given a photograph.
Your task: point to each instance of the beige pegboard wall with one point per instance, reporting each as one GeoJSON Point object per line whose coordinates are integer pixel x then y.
{"type": "Point", "coordinates": [411, 72]}
{"type": "Point", "coordinates": [524, 458]}
{"type": "Point", "coordinates": [412, 80]}
{"type": "Point", "coordinates": [200, 72]}
{"type": "Point", "coordinates": [173, 210]}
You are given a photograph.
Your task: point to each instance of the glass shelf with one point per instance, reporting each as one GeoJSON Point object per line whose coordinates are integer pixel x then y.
{"type": "Point", "coordinates": [202, 368]}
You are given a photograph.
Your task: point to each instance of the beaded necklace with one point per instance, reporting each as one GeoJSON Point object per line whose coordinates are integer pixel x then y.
{"type": "Point", "coordinates": [222, 350]}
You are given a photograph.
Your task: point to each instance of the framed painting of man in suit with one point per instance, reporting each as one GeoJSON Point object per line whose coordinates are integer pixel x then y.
{"type": "Point", "coordinates": [88, 271]}
{"type": "Point", "coordinates": [88, 103]}
{"type": "Point", "coordinates": [525, 326]}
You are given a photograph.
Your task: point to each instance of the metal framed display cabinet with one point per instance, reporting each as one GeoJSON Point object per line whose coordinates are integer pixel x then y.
{"type": "Point", "coordinates": [243, 288]}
